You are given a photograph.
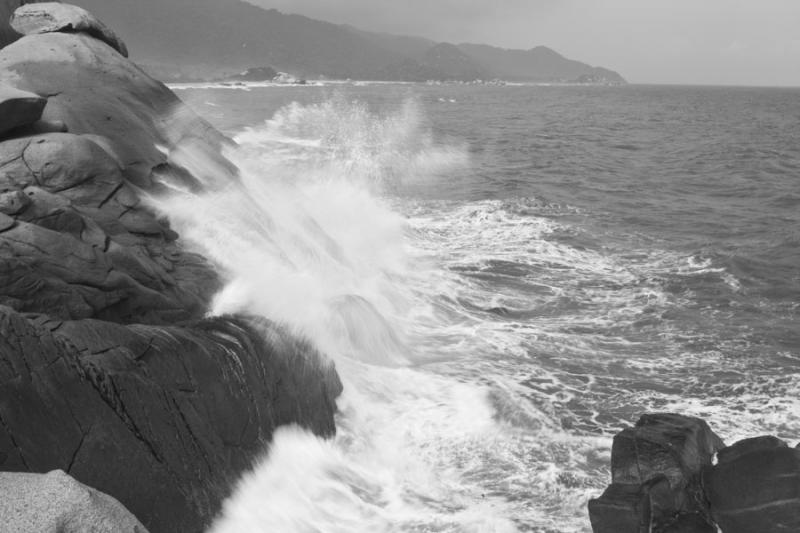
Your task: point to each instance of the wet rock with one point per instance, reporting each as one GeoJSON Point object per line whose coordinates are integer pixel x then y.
{"type": "Point", "coordinates": [689, 523]}
{"type": "Point", "coordinates": [675, 446]}
{"type": "Point", "coordinates": [19, 108]}
{"type": "Point", "coordinates": [162, 418]}
{"type": "Point", "coordinates": [56, 503]}
{"type": "Point", "coordinates": [755, 487]}
{"type": "Point", "coordinates": [49, 17]}
{"type": "Point", "coordinates": [656, 471]}
{"type": "Point", "coordinates": [632, 508]}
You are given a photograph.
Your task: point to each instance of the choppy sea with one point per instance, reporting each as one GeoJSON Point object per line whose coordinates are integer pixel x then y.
{"type": "Point", "coordinates": [505, 277]}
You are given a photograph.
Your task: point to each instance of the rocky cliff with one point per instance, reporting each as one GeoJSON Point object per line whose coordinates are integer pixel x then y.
{"type": "Point", "coordinates": [109, 370]}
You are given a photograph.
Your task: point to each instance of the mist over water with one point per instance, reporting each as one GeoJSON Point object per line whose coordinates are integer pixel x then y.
{"type": "Point", "coordinates": [496, 299]}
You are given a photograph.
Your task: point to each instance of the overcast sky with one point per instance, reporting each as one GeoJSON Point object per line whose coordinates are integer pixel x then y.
{"type": "Point", "coordinates": [747, 42]}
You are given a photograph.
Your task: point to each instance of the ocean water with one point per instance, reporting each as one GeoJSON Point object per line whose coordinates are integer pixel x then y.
{"type": "Point", "coordinates": [505, 277]}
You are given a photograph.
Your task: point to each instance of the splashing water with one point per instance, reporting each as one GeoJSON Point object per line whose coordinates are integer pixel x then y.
{"type": "Point", "coordinates": [430, 438]}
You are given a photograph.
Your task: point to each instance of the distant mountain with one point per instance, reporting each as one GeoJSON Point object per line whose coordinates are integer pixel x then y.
{"type": "Point", "coordinates": [201, 39]}
{"type": "Point", "coordinates": [454, 64]}
{"type": "Point", "coordinates": [537, 64]}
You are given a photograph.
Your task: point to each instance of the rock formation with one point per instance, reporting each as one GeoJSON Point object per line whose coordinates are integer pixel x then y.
{"type": "Point", "coordinates": [48, 17]}
{"type": "Point", "coordinates": [109, 370]}
{"type": "Point", "coordinates": [672, 474]}
{"type": "Point", "coordinates": [755, 487]}
{"type": "Point", "coordinates": [19, 108]}
{"type": "Point", "coordinates": [56, 503]}
{"type": "Point", "coordinates": [7, 34]}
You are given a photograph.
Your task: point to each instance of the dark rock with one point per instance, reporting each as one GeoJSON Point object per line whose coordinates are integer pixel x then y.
{"type": "Point", "coordinates": [675, 446]}
{"type": "Point", "coordinates": [49, 17]}
{"type": "Point", "coordinates": [656, 469]}
{"type": "Point", "coordinates": [755, 487]}
{"type": "Point", "coordinates": [18, 108]}
{"type": "Point", "coordinates": [629, 508]}
{"type": "Point", "coordinates": [39, 127]}
{"type": "Point", "coordinates": [56, 503]}
{"type": "Point", "coordinates": [93, 90]}
{"type": "Point", "coordinates": [162, 418]}
{"type": "Point", "coordinates": [689, 523]}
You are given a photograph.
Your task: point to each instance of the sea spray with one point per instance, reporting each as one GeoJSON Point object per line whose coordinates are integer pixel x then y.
{"type": "Point", "coordinates": [306, 237]}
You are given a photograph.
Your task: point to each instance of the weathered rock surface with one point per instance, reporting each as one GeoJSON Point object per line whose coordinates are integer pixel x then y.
{"type": "Point", "coordinates": [675, 446]}
{"type": "Point", "coordinates": [755, 487]}
{"type": "Point", "coordinates": [108, 370]}
{"type": "Point", "coordinates": [91, 89]}
{"type": "Point", "coordinates": [667, 447]}
{"type": "Point", "coordinates": [56, 503]}
{"type": "Point", "coordinates": [50, 17]}
{"type": "Point", "coordinates": [162, 418]}
{"type": "Point", "coordinates": [632, 507]}
{"type": "Point", "coordinates": [7, 7]}
{"type": "Point", "coordinates": [83, 245]}
{"type": "Point", "coordinates": [18, 108]}
{"type": "Point", "coordinates": [665, 480]}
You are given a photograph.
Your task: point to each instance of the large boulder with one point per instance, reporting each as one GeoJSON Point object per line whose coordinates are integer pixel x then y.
{"type": "Point", "coordinates": [7, 7]}
{"type": "Point", "coordinates": [92, 89]}
{"type": "Point", "coordinates": [656, 471]}
{"type": "Point", "coordinates": [19, 108]}
{"type": "Point", "coordinates": [56, 503]}
{"type": "Point", "coordinates": [49, 17]}
{"type": "Point", "coordinates": [163, 418]}
{"type": "Point", "coordinates": [755, 487]}
{"type": "Point", "coordinates": [83, 245]}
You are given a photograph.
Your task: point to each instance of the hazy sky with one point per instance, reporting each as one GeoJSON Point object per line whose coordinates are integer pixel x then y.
{"type": "Point", "coordinates": [749, 42]}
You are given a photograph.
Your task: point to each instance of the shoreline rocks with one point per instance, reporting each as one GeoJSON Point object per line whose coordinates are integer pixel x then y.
{"type": "Point", "coordinates": [672, 474]}
{"type": "Point", "coordinates": [109, 370]}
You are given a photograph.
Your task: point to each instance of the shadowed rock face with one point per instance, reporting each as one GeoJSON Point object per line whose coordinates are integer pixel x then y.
{"type": "Point", "coordinates": [656, 478]}
{"type": "Point", "coordinates": [755, 487]}
{"type": "Point", "coordinates": [162, 418]}
{"type": "Point", "coordinates": [665, 480]}
{"type": "Point", "coordinates": [18, 108]}
{"type": "Point", "coordinates": [108, 369]}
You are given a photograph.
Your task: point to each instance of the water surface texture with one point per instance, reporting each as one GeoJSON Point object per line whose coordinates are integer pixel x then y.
{"type": "Point", "coordinates": [505, 277]}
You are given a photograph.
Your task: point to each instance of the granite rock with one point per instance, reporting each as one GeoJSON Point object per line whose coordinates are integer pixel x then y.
{"type": "Point", "coordinates": [56, 503]}
{"type": "Point", "coordinates": [19, 108]}
{"type": "Point", "coordinates": [49, 17]}
{"type": "Point", "coordinates": [755, 487]}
